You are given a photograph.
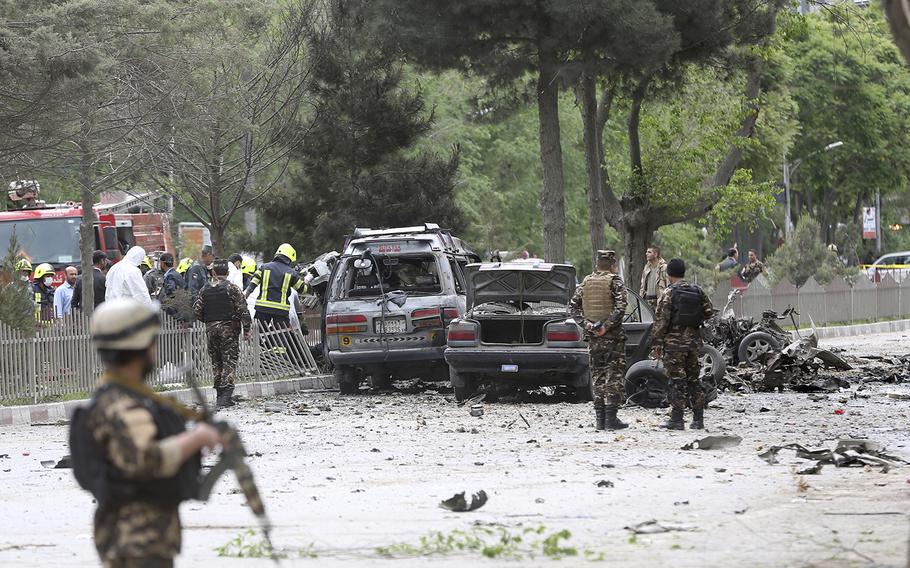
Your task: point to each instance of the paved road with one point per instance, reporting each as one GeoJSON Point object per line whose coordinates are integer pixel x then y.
{"type": "Point", "coordinates": [371, 471]}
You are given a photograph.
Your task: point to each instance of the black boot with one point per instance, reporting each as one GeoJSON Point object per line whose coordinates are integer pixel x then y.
{"type": "Point", "coordinates": [612, 422]}
{"type": "Point", "coordinates": [598, 418]}
{"type": "Point", "coordinates": [675, 422]}
{"type": "Point", "coordinates": [698, 419]}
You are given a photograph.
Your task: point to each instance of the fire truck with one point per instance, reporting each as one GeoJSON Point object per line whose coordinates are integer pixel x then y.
{"type": "Point", "coordinates": [51, 233]}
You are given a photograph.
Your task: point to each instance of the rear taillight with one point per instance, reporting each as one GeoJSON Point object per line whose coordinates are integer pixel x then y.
{"type": "Point", "coordinates": [450, 313]}
{"type": "Point", "coordinates": [354, 323]}
{"type": "Point", "coordinates": [462, 332]}
{"type": "Point", "coordinates": [426, 317]}
{"type": "Point", "coordinates": [563, 333]}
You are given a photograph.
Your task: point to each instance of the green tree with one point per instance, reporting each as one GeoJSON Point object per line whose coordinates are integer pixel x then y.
{"type": "Point", "coordinates": [354, 168]}
{"type": "Point", "coordinates": [800, 257]}
{"type": "Point", "coordinates": [17, 309]}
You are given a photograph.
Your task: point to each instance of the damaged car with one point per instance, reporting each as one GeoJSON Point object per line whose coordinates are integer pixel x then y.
{"type": "Point", "coordinates": [517, 330]}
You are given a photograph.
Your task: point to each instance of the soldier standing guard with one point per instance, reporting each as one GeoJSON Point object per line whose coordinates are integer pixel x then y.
{"type": "Point", "coordinates": [599, 305]}
{"type": "Point", "coordinates": [223, 309]}
{"type": "Point", "coordinates": [676, 336]}
{"type": "Point", "coordinates": [130, 446]}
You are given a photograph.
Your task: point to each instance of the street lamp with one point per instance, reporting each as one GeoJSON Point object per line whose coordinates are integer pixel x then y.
{"type": "Point", "coordinates": [789, 170]}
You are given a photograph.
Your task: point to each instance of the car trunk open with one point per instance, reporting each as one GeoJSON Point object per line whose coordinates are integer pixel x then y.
{"type": "Point", "coordinates": [513, 330]}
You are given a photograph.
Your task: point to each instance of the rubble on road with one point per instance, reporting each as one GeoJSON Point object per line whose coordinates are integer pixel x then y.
{"type": "Point", "coordinates": [657, 527]}
{"type": "Point", "coordinates": [847, 452]}
{"type": "Point", "coordinates": [458, 504]}
{"type": "Point", "coordinates": [713, 443]}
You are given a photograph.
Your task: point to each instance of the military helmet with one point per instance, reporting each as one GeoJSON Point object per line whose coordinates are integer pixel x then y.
{"type": "Point", "coordinates": [43, 270]}
{"type": "Point", "coordinates": [24, 265]}
{"type": "Point", "coordinates": [248, 265]}
{"type": "Point", "coordinates": [184, 265]}
{"type": "Point", "coordinates": [606, 257]}
{"type": "Point", "coordinates": [288, 251]}
{"type": "Point", "coordinates": [125, 324]}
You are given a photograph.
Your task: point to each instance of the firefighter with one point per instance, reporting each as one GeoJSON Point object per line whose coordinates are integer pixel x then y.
{"type": "Point", "coordinates": [248, 268]}
{"type": "Point", "coordinates": [24, 268]}
{"type": "Point", "coordinates": [183, 267]}
{"type": "Point", "coordinates": [44, 289]}
{"type": "Point", "coordinates": [275, 280]}
{"type": "Point", "coordinates": [145, 265]}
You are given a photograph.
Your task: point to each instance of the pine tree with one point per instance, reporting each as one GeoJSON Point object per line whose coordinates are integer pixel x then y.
{"type": "Point", "coordinates": [16, 307]}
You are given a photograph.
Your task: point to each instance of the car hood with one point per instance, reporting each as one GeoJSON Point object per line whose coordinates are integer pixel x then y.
{"type": "Point", "coordinates": [502, 282]}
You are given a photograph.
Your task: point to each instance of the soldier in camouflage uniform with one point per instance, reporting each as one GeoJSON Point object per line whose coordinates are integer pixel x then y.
{"type": "Point", "coordinates": [223, 309]}
{"type": "Point", "coordinates": [676, 337]}
{"type": "Point", "coordinates": [130, 446]}
{"type": "Point", "coordinates": [599, 305]}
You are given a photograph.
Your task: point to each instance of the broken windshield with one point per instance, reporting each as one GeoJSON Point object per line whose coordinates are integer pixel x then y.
{"type": "Point", "coordinates": [413, 274]}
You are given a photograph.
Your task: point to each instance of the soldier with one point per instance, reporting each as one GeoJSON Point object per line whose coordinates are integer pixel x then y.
{"type": "Point", "coordinates": [676, 337]}
{"type": "Point", "coordinates": [223, 309]}
{"type": "Point", "coordinates": [130, 446]}
{"type": "Point", "coordinates": [653, 277]}
{"type": "Point", "coordinates": [599, 305]}
{"type": "Point", "coordinates": [753, 268]}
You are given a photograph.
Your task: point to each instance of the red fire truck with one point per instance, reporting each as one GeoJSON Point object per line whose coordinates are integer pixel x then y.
{"type": "Point", "coordinates": [51, 233]}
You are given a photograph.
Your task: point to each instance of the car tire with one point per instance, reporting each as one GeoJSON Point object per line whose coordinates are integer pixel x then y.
{"type": "Point", "coordinates": [585, 393]}
{"type": "Point", "coordinates": [713, 369]}
{"type": "Point", "coordinates": [461, 385]}
{"type": "Point", "coordinates": [646, 384]}
{"type": "Point", "coordinates": [754, 346]}
{"type": "Point", "coordinates": [347, 379]}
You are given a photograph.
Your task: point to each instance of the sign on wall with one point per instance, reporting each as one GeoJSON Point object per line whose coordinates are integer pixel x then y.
{"type": "Point", "coordinates": [868, 222]}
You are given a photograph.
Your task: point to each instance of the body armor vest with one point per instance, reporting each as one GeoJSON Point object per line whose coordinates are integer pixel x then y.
{"type": "Point", "coordinates": [216, 303]}
{"type": "Point", "coordinates": [597, 302]}
{"type": "Point", "coordinates": [96, 474]}
{"type": "Point", "coordinates": [687, 306]}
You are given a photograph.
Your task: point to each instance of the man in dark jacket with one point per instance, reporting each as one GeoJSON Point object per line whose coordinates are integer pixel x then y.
{"type": "Point", "coordinates": [99, 259]}
{"type": "Point", "coordinates": [199, 275]}
{"type": "Point", "coordinates": [172, 280]}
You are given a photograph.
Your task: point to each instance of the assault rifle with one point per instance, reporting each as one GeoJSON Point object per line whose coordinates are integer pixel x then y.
{"type": "Point", "coordinates": [232, 457]}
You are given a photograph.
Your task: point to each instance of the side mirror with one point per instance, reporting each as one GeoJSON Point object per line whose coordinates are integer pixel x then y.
{"type": "Point", "coordinates": [363, 264]}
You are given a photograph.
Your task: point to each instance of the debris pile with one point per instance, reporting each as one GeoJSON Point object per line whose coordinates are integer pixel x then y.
{"type": "Point", "coordinates": [848, 452]}
{"type": "Point", "coordinates": [457, 503]}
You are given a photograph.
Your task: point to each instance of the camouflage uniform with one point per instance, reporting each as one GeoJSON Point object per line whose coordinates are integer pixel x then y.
{"type": "Point", "coordinates": [224, 336]}
{"type": "Point", "coordinates": [134, 533]}
{"type": "Point", "coordinates": [680, 346]}
{"type": "Point", "coordinates": [661, 281]}
{"type": "Point", "coordinates": [608, 352]}
{"type": "Point", "coordinates": [751, 271]}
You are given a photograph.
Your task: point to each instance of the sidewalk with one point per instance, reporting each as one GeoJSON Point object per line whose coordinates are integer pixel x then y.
{"type": "Point", "coordinates": [863, 329]}
{"type": "Point", "coordinates": [59, 411]}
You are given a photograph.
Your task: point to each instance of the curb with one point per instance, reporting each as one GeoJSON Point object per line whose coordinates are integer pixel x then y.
{"type": "Point", "coordinates": [52, 412]}
{"type": "Point", "coordinates": [863, 329]}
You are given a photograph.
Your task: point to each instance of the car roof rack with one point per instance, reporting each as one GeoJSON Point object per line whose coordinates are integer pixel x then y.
{"type": "Point", "coordinates": [449, 243]}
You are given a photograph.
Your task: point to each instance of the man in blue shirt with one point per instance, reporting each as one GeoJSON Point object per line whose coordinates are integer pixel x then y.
{"type": "Point", "coordinates": [63, 295]}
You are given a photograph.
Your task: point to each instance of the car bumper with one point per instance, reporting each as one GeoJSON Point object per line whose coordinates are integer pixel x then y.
{"type": "Point", "coordinates": [536, 362]}
{"type": "Point", "coordinates": [391, 356]}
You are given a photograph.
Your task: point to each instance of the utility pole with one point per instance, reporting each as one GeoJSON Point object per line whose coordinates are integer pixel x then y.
{"type": "Point", "coordinates": [788, 223]}
{"type": "Point", "coordinates": [878, 220]}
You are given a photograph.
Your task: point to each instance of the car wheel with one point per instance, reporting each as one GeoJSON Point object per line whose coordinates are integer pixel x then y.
{"type": "Point", "coordinates": [646, 384]}
{"type": "Point", "coordinates": [347, 379]}
{"type": "Point", "coordinates": [755, 347]}
{"type": "Point", "coordinates": [713, 367]}
{"type": "Point", "coordinates": [380, 378]}
{"type": "Point", "coordinates": [584, 393]}
{"type": "Point", "coordinates": [461, 385]}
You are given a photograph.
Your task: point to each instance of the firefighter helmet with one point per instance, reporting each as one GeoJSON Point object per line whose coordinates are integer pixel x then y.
{"type": "Point", "coordinates": [43, 270]}
{"type": "Point", "coordinates": [146, 262]}
{"type": "Point", "coordinates": [184, 265]}
{"type": "Point", "coordinates": [288, 251]}
{"type": "Point", "coordinates": [24, 265]}
{"type": "Point", "coordinates": [248, 265]}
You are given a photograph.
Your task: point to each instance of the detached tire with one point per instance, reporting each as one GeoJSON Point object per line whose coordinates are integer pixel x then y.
{"type": "Point", "coordinates": [713, 368]}
{"type": "Point", "coordinates": [347, 380]}
{"type": "Point", "coordinates": [584, 393]}
{"type": "Point", "coordinates": [755, 347]}
{"type": "Point", "coordinates": [461, 385]}
{"type": "Point", "coordinates": [646, 384]}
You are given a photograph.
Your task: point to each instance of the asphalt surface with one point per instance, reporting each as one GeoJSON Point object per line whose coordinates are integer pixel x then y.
{"type": "Point", "coordinates": [343, 477]}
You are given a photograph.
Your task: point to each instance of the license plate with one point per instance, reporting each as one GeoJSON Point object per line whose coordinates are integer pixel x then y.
{"type": "Point", "coordinates": [392, 325]}
{"type": "Point", "coordinates": [509, 368]}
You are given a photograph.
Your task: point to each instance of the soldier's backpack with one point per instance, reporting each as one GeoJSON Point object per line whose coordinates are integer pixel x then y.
{"type": "Point", "coordinates": [687, 306]}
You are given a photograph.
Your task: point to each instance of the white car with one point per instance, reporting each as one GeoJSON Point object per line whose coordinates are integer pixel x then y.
{"type": "Point", "coordinates": [897, 264]}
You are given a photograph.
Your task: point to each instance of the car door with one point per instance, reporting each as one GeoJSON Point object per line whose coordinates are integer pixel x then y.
{"type": "Point", "coordinates": [637, 324]}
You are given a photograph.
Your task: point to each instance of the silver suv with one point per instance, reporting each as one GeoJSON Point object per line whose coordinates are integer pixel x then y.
{"type": "Point", "coordinates": [392, 294]}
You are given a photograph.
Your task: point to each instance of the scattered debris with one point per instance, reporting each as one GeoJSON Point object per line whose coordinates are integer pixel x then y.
{"type": "Point", "coordinates": [713, 443]}
{"type": "Point", "coordinates": [811, 470]}
{"type": "Point", "coordinates": [839, 411]}
{"type": "Point", "coordinates": [847, 452]}
{"type": "Point", "coordinates": [605, 483]}
{"type": "Point", "coordinates": [459, 504]}
{"type": "Point", "coordinates": [476, 410]}
{"type": "Point", "coordinates": [274, 407]}
{"type": "Point", "coordinates": [899, 395]}
{"type": "Point", "coordinates": [657, 527]}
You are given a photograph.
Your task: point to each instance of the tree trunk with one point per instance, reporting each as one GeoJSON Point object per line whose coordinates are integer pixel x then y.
{"type": "Point", "coordinates": [637, 237]}
{"type": "Point", "coordinates": [552, 196]}
{"type": "Point", "coordinates": [218, 231]}
{"type": "Point", "coordinates": [87, 236]}
{"type": "Point", "coordinates": [593, 187]}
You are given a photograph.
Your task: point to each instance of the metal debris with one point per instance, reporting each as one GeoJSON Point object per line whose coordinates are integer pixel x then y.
{"type": "Point", "coordinates": [459, 504]}
{"type": "Point", "coordinates": [713, 443]}
{"type": "Point", "coordinates": [605, 483]}
{"type": "Point", "coordinates": [847, 452]}
{"type": "Point", "coordinates": [65, 462]}
{"type": "Point", "coordinates": [657, 527]}
{"type": "Point", "coordinates": [476, 410]}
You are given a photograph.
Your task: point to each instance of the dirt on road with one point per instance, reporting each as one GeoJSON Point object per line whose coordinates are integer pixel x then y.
{"type": "Point", "coordinates": [355, 481]}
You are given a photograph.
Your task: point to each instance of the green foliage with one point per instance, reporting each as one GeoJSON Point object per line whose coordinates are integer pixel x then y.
{"type": "Point", "coordinates": [491, 541]}
{"type": "Point", "coordinates": [17, 309]}
{"type": "Point", "coordinates": [743, 202]}
{"type": "Point", "coordinates": [245, 545]}
{"type": "Point", "coordinates": [800, 257]}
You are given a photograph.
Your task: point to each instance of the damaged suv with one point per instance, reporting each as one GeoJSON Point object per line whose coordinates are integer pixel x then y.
{"type": "Point", "coordinates": [391, 295]}
{"type": "Point", "coordinates": [517, 329]}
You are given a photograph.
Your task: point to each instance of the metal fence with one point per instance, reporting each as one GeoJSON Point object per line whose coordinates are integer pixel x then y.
{"type": "Point", "coordinates": [59, 361]}
{"type": "Point", "coordinates": [838, 302]}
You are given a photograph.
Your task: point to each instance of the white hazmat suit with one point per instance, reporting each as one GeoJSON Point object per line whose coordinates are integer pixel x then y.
{"type": "Point", "coordinates": [124, 279]}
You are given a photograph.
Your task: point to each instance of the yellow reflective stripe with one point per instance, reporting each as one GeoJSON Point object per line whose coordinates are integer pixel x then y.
{"type": "Point", "coordinates": [284, 288]}
{"type": "Point", "coordinates": [270, 304]}
{"type": "Point", "coordinates": [264, 286]}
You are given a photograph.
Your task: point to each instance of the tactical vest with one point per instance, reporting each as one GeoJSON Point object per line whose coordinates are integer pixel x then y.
{"type": "Point", "coordinates": [96, 474]}
{"type": "Point", "coordinates": [687, 307]}
{"type": "Point", "coordinates": [597, 302]}
{"type": "Point", "coordinates": [216, 303]}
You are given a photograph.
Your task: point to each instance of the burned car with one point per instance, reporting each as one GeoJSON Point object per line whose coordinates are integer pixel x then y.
{"type": "Point", "coordinates": [517, 330]}
{"type": "Point", "coordinates": [391, 295]}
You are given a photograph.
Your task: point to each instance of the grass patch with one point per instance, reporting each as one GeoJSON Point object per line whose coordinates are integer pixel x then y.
{"type": "Point", "coordinates": [247, 544]}
{"type": "Point", "coordinates": [491, 541]}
